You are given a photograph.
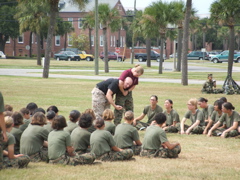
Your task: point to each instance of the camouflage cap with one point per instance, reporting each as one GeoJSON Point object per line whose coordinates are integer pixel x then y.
{"type": "Point", "coordinates": [210, 75]}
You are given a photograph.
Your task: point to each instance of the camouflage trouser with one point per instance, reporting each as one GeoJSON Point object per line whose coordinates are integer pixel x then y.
{"type": "Point", "coordinates": [1, 150]}
{"type": "Point", "coordinates": [19, 162]}
{"type": "Point", "coordinates": [124, 101]}
{"type": "Point", "coordinates": [195, 130]}
{"type": "Point", "coordinates": [136, 149]}
{"type": "Point", "coordinates": [83, 152]}
{"type": "Point", "coordinates": [141, 124]}
{"type": "Point", "coordinates": [87, 158]}
{"type": "Point", "coordinates": [42, 155]}
{"type": "Point", "coordinates": [172, 129]}
{"type": "Point", "coordinates": [99, 102]}
{"type": "Point", "coordinates": [162, 152]}
{"type": "Point", "coordinates": [218, 132]}
{"type": "Point", "coordinates": [125, 154]}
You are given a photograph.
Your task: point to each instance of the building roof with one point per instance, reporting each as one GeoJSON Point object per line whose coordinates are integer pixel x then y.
{"type": "Point", "coordinates": [70, 7]}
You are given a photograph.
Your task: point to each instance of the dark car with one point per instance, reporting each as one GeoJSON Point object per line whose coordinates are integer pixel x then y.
{"type": "Point", "coordinates": [113, 56]}
{"type": "Point", "coordinates": [197, 55]}
{"type": "Point", "coordinates": [67, 55]}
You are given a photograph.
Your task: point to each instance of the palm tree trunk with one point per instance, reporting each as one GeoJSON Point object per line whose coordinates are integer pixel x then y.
{"type": "Point", "coordinates": [195, 46]}
{"type": "Point", "coordinates": [161, 56]}
{"type": "Point", "coordinates": [105, 49]}
{"type": "Point", "coordinates": [148, 47]}
{"type": "Point", "coordinates": [231, 50]}
{"type": "Point", "coordinates": [38, 50]}
{"type": "Point", "coordinates": [185, 43]}
{"type": "Point", "coordinates": [204, 39]}
{"type": "Point", "coordinates": [179, 49]}
{"type": "Point", "coordinates": [193, 40]}
{"type": "Point", "coordinates": [30, 44]}
{"type": "Point", "coordinates": [51, 30]}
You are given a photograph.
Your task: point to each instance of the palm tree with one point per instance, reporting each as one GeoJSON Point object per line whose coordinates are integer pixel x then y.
{"type": "Point", "coordinates": [32, 17]}
{"type": "Point", "coordinates": [223, 34]}
{"type": "Point", "coordinates": [109, 19]}
{"type": "Point", "coordinates": [227, 12]}
{"type": "Point", "coordinates": [51, 29]}
{"type": "Point", "coordinates": [185, 43]}
{"type": "Point", "coordinates": [88, 23]}
{"type": "Point", "coordinates": [159, 15]}
{"type": "Point", "coordinates": [237, 34]}
{"type": "Point", "coordinates": [205, 26]}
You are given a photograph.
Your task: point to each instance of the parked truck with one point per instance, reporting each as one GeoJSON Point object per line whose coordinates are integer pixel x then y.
{"type": "Point", "coordinates": [223, 57]}
{"type": "Point", "coordinates": [154, 56]}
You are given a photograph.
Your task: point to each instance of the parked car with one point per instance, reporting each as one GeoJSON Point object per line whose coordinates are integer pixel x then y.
{"type": "Point", "coordinates": [212, 53]}
{"type": "Point", "coordinates": [113, 56]}
{"type": "Point", "coordinates": [223, 57]}
{"type": "Point", "coordinates": [67, 55]}
{"type": "Point", "coordinates": [154, 56]}
{"type": "Point", "coordinates": [2, 55]}
{"type": "Point", "coordinates": [172, 55]}
{"type": "Point", "coordinates": [197, 55]}
{"type": "Point", "coordinates": [84, 55]}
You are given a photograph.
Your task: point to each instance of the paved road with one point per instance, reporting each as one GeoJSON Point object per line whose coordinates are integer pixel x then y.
{"type": "Point", "coordinates": [168, 66]}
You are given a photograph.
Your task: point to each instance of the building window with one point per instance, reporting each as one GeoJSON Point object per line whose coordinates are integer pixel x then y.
{"type": "Point", "coordinates": [101, 40]}
{"type": "Point", "coordinates": [8, 40]}
{"type": "Point", "coordinates": [70, 20]}
{"type": "Point", "coordinates": [57, 40]}
{"type": "Point", "coordinates": [100, 25]}
{"type": "Point", "coordinates": [111, 41]}
{"type": "Point", "coordinates": [80, 23]}
{"type": "Point", "coordinates": [92, 40]}
{"type": "Point", "coordinates": [114, 41]}
{"type": "Point", "coordinates": [123, 41]}
{"type": "Point", "coordinates": [20, 39]}
{"type": "Point", "coordinates": [69, 40]}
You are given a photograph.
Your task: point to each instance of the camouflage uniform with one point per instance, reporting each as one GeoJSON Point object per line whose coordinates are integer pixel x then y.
{"type": "Point", "coordinates": [1, 150]}
{"type": "Point", "coordinates": [99, 102]}
{"type": "Point", "coordinates": [162, 152]}
{"type": "Point", "coordinates": [124, 101]}
{"type": "Point", "coordinates": [87, 158]}
{"type": "Point", "coordinates": [125, 154]}
{"type": "Point", "coordinates": [208, 87]}
{"type": "Point", "coordinates": [218, 132]}
{"type": "Point", "coordinates": [42, 155]}
{"type": "Point", "coordinates": [19, 162]}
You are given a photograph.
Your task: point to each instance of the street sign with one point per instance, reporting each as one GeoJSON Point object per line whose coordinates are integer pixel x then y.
{"type": "Point", "coordinates": [117, 50]}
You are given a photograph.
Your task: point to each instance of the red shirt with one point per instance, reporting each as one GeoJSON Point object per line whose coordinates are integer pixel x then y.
{"type": "Point", "coordinates": [128, 73]}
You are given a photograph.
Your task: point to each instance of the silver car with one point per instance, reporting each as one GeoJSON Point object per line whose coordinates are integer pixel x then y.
{"type": "Point", "coordinates": [2, 55]}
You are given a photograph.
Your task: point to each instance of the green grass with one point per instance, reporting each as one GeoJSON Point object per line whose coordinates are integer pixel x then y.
{"type": "Point", "coordinates": [201, 157]}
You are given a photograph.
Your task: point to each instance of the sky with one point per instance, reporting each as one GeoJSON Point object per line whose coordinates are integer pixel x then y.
{"type": "Point", "coordinates": [202, 6]}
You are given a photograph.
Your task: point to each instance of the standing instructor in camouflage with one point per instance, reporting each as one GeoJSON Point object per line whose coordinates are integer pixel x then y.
{"type": "Point", "coordinates": [124, 98]}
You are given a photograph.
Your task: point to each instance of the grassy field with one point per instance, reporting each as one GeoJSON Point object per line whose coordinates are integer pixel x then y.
{"type": "Point", "coordinates": [201, 157]}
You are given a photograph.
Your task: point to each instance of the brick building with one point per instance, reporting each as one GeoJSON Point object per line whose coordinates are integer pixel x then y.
{"type": "Point", "coordinates": [70, 12]}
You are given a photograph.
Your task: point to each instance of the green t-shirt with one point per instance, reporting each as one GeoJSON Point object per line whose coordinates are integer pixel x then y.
{"type": "Point", "coordinates": [228, 120]}
{"type": "Point", "coordinates": [109, 126]}
{"type": "Point", "coordinates": [101, 142]}
{"type": "Point", "coordinates": [125, 134]}
{"type": "Point", "coordinates": [48, 126]}
{"type": "Point", "coordinates": [17, 133]}
{"type": "Point", "coordinates": [25, 124]}
{"type": "Point", "coordinates": [154, 137]}
{"type": "Point", "coordinates": [10, 141]}
{"type": "Point", "coordinates": [70, 126]}
{"type": "Point", "coordinates": [151, 113]}
{"type": "Point", "coordinates": [57, 143]}
{"type": "Point", "coordinates": [194, 117]}
{"type": "Point", "coordinates": [207, 112]}
{"type": "Point", "coordinates": [171, 117]}
{"type": "Point", "coordinates": [32, 139]}
{"type": "Point", "coordinates": [1, 103]}
{"type": "Point", "coordinates": [80, 139]}
{"type": "Point", "coordinates": [215, 117]}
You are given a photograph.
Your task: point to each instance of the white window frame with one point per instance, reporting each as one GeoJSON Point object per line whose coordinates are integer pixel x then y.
{"type": "Point", "coordinates": [57, 41]}
{"type": "Point", "coordinates": [69, 38]}
{"type": "Point", "coordinates": [70, 20]}
{"type": "Point", "coordinates": [101, 40]}
{"type": "Point", "coordinates": [92, 40]}
{"type": "Point", "coordinates": [114, 41]}
{"type": "Point", "coordinates": [8, 41]}
{"type": "Point", "coordinates": [111, 41]}
{"type": "Point", "coordinates": [21, 36]}
{"type": "Point", "coordinates": [80, 23]}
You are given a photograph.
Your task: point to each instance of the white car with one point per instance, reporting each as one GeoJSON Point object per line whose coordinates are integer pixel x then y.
{"type": "Point", "coordinates": [2, 55]}
{"type": "Point", "coordinates": [172, 55]}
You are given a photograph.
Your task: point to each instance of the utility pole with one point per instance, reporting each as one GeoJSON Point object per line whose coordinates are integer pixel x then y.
{"type": "Point", "coordinates": [132, 52]}
{"type": "Point", "coordinates": [96, 39]}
